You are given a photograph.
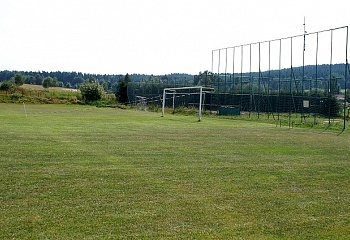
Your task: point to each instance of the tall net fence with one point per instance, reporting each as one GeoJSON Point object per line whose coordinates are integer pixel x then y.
{"type": "Point", "coordinates": [302, 79]}
{"type": "Point", "coordinates": [298, 79]}
{"type": "Point", "coordinates": [148, 92]}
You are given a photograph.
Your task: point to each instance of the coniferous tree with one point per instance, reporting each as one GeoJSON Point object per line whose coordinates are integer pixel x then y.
{"type": "Point", "coordinates": [122, 89]}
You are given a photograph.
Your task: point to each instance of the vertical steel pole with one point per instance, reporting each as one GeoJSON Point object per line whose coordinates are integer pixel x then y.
{"type": "Point", "coordinates": [316, 80]}
{"type": "Point", "coordinates": [219, 71]}
{"type": "Point", "coordinates": [163, 103]}
{"type": "Point", "coordinates": [212, 61]}
{"type": "Point", "coordinates": [303, 79]}
{"type": "Point", "coordinates": [250, 80]}
{"type": "Point", "coordinates": [225, 72]}
{"type": "Point", "coordinates": [233, 73]}
{"type": "Point", "coordinates": [241, 76]}
{"type": "Point", "coordinates": [174, 102]}
{"type": "Point", "coordinates": [316, 83]}
{"type": "Point", "coordinates": [268, 82]}
{"type": "Point", "coordinates": [346, 76]}
{"type": "Point", "coordinates": [330, 81]}
{"type": "Point", "coordinates": [259, 82]}
{"type": "Point", "coordinates": [200, 103]}
{"type": "Point", "coordinates": [279, 80]}
{"type": "Point", "coordinates": [290, 83]}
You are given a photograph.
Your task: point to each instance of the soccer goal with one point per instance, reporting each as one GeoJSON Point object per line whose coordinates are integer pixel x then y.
{"type": "Point", "coordinates": [141, 102]}
{"type": "Point", "coordinates": [200, 90]}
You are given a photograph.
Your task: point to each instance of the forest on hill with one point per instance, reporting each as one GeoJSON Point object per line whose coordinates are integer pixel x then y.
{"type": "Point", "coordinates": [109, 82]}
{"type": "Point", "coordinates": [74, 79]}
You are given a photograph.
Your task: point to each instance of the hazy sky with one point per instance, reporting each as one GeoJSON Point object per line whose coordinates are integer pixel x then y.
{"type": "Point", "coordinates": [148, 36]}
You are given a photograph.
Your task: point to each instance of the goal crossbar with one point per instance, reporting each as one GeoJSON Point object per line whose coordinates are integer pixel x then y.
{"type": "Point", "coordinates": [202, 90]}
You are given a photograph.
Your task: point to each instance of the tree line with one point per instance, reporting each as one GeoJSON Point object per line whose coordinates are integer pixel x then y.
{"type": "Point", "coordinates": [74, 79]}
{"type": "Point", "coordinates": [125, 86]}
{"type": "Point", "coordinates": [109, 82]}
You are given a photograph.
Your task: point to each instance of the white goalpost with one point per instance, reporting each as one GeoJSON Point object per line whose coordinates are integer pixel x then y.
{"type": "Point", "coordinates": [174, 91]}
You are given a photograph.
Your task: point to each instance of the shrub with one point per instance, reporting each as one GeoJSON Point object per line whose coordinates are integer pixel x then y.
{"type": "Point", "coordinates": [331, 107]}
{"type": "Point", "coordinates": [15, 96]}
{"type": "Point", "coordinates": [91, 91]}
{"type": "Point", "coordinates": [7, 86]}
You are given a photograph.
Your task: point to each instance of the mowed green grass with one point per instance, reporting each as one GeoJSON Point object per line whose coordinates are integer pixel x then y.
{"type": "Point", "coordinates": [80, 172]}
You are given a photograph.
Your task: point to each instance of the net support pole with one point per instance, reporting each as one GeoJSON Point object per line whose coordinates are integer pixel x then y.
{"type": "Point", "coordinates": [279, 79]}
{"type": "Point", "coordinates": [173, 102]}
{"type": "Point", "coordinates": [346, 76]}
{"type": "Point", "coordinates": [233, 85]}
{"type": "Point", "coordinates": [241, 83]}
{"type": "Point", "coordinates": [250, 81]}
{"type": "Point", "coordinates": [163, 103]}
{"type": "Point", "coordinates": [212, 61]}
{"type": "Point", "coordinates": [330, 81]}
{"type": "Point", "coordinates": [303, 78]}
{"type": "Point", "coordinates": [200, 104]}
{"type": "Point", "coordinates": [290, 83]}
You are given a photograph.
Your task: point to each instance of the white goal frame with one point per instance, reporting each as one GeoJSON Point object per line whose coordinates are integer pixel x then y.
{"type": "Point", "coordinates": [173, 91]}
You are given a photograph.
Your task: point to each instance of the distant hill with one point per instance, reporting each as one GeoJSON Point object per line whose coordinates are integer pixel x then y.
{"type": "Point", "coordinates": [73, 79]}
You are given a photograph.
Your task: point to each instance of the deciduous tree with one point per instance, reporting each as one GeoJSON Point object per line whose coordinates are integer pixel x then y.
{"type": "Point", "coordinates": [47, 82]}
{"type": "Point", "coordinates": [19, 79]}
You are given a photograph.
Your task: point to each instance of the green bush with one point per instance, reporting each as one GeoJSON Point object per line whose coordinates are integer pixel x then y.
{"type": "Point", "coordinates": [15, 96]}
{"type": "Point", "coordinates": [7, 86]}
{"type": "Point", "coordinates": [91, 91]}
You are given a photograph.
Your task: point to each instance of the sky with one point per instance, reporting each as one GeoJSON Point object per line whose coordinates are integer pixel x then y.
{"type": "Point", "coordinates": [148, 36]}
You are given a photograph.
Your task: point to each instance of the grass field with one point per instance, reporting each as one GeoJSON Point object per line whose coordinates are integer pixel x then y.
{"type": "Point", "coordinates": [80, 172]}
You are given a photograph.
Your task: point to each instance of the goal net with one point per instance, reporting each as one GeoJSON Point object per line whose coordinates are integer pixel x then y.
{"type": "Point", "coordinates": [173, 92]}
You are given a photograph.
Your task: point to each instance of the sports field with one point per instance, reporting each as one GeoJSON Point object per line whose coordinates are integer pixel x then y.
{"type": "Point", "coordinates": [81, 172]}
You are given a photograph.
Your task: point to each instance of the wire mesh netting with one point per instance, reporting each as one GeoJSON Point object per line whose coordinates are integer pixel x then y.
{"type": "Point", "coordinates": [301, 79]}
